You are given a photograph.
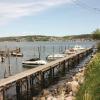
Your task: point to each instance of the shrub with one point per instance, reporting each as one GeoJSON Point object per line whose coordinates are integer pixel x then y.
{"type": "Point", "coordinates": [98, 47]}
{"type": "Point", "coordinates": [96, 34]}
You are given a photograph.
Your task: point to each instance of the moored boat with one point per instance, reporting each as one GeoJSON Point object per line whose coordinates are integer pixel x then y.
{"type": "Point", "coordinates": [74, 50]}
{"type": "Point", "coordinates": [78, 47]}
{"type": "Point", "coordinates": [70, 51]}
{"type": "Point", "coordinates": [34, 62]}
{"type": "Point", "coordinates": [16, 54]}
{"type": "Point", "coordinates": [55, 56]}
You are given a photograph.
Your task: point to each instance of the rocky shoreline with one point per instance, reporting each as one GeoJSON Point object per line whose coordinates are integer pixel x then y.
{"type": "Point", "coordinates": [67, 87]}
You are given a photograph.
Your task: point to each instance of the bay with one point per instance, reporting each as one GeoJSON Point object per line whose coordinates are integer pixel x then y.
{"type": "Point", "coordinates": [30, 50]}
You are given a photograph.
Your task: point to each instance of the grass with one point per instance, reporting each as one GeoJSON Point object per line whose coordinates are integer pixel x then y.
{"type": "Point", "coordinates": [90, 90]}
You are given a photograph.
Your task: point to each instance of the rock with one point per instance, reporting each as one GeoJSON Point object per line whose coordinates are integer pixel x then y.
{"type": "Point", "coordinates": [54, 98]}
{"type": "Point", "coordinates": [78, 77]}
{"type": "Point", "coordinates": [50, 97]}
{"type": "Point", "coordinates": [69, 98]}
{"type": "Point", "coordinates": [45, 92]}
{"type": "Point", "coordinates": [68, 87]}
{"type": "Point", "coordinates": [81, 81]}
{"type": "Point", "coordinates": [1, 96]}
{"type": "Point", "coordinates": [75, 87]}
{"type": "Point", "coordinates": [62, 96]}
{"type": "Point", "coordinates": [34, 98]}
{"type": "Point", "coordinates": [42, 98]}
{"type": "Point", "coordinates": [60, 88]}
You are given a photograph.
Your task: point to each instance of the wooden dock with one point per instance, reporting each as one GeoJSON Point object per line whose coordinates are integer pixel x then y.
{"type": "Point", "coordinates": [6, 52]}
{"type": "Point", "coordinates": [34, 80]}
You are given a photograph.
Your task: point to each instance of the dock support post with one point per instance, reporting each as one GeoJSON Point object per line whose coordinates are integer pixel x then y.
{"type": "Point", "coordinates": [42, 80]}
{"type": "Point", "coordinates": [64, 67]}
{"type": "Point", "coordinates": [3, 93]}
{"type": "Point", "coordinates": [27, 91]}
{"type": "Point", "coordinates": [53, 75]}
{"type": "Point", "coordinates": [68, 64]}
{"type": "Point", "coordinates": [50, 76]}
{"type": "Point", "coordinates": [18, 94]}
{"type": "Point", "coordinates": [31, 85]}
{"type": "Point", "coordinates": [78, 59]}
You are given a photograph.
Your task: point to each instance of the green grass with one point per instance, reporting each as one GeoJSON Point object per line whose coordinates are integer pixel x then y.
{"type": "Point", "coordinates": [90, 90]}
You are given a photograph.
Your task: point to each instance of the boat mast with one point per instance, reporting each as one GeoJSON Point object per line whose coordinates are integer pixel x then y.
{"type": "Point", "coordinates": [53, 52]}
{"type": "Point", "coordinates": [9, 67]}
{"type": "Point", "coordinates": [5, 73]}
{"type": "Point", "coordinates": [34, 52]}
{"type": "Point", "coordinates": [39, 52]}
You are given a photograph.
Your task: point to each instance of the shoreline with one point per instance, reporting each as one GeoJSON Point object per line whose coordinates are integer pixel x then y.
{"type": "Point", "coordinates": [90, 90]}
{"type": "Point", "coordinates": [67, 87]}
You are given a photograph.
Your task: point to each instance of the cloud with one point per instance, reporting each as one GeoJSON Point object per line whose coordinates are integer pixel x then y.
{"type": "Point", "coordinates": [11, 10]}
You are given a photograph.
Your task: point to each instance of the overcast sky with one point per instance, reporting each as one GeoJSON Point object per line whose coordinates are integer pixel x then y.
{"type": "Point", "coordinates": [48, 17]}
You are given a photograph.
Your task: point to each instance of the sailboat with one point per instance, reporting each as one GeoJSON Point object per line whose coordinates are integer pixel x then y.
{"type": "Point", "coordinates": [55, 56]}
{"type": "Point", "coordinates": [34, 62]}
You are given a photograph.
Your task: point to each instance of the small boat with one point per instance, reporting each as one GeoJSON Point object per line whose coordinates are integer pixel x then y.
{"type": "Point", "coordinates": [78, 47]}
{"type": "Point", "coordinates": [34, 62]}
{"type": "Point", "coordinates": [70, 51]}
{"type": "Point", "coordinates": [74, 50]}
{"type": "Point", "coordinates": [2, 59]}
{"type": "Point", "coordinates": [33, 59]}
{"type": "Point", "coordinates": [16, 54]}
{"type": "Point", "coordinates": [55, 56]}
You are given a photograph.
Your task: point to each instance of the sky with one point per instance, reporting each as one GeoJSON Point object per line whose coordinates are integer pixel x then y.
{"type": "Point", "coordinates": [48, 17]}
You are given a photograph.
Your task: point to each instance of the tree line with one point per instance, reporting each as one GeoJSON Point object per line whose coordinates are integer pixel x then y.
{"type": "Point", "coordinates": [96, 36]}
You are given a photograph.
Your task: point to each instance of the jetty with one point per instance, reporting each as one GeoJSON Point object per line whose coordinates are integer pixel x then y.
{"type": "Point", "coordinates": [24, 85]}
{"type": "Point", "coordinates": [5, 52]}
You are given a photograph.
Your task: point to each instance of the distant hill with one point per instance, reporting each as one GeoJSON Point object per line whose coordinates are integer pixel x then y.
{"type": "Point", "coordinates": [82, 36]}
{"type": "Point", "coordinates": [45, 38]}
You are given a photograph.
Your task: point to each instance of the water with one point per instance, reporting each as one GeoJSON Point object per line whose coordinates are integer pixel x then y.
{"type": "Point", "coordinates": [30, 50]}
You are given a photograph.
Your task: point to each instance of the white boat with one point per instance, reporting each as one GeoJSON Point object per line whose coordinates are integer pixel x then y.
{"type": "Point", "coordinates": [33, 63]}
{"type": "Point", "coordinates": [16, 54]}
{"type": "Point", "coordinates": [78, 47]}
{"type": "Point", "coordinates": [74, 50]}
{"type": "Point", "coordinates": [70, 51]}
{"type": "Point", "coordinates": [55, 56]}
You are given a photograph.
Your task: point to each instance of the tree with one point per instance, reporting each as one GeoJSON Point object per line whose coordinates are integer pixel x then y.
{"type": "Point", "coordinates": [98, 47]}
{"type": "Point", "coordinates": [96, 34]}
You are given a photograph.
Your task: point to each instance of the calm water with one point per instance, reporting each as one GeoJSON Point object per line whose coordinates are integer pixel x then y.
{"type": "Point", "coordinates": [30, 50]}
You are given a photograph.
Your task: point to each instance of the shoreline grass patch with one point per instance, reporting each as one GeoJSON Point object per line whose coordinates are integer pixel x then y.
{"type": "Point", "coordinates": [90, 90]}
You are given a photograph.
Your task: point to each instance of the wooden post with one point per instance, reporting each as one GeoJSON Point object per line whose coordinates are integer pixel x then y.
{"type": "Point", "coordinates": [9, 66]}
{"type": "Point", "coordinates": [42, 80]}
{"type": "Point", "coordinates": [53, 74]}
{"type": "Point", "coordinates": [18, 94]}
{"type": "Point", "coordinates": [27, 82]}
{"type": "Point", "coordinates": [31, 85]}
{"type": "Point", "coordinates": [50, 76]}
{"type": "Point", "coordinates": [68, 64]}
{"type": "Point", "coordinates": [39, 52]}
{"type": "Point", "coordinates": [78, 59]}
{"type": "Point", "coordinates": [3, 93]}
{"type": "Point", "coordinates": [64, 69]}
